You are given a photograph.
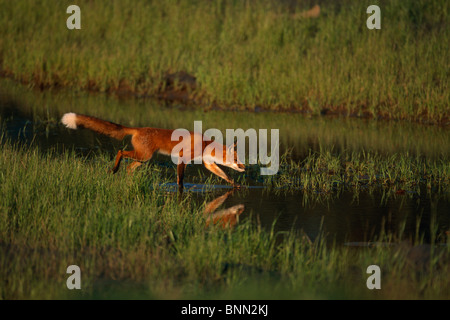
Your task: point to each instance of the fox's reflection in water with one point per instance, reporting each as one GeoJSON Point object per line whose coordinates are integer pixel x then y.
{"type": "Point", "coordinates": [226, 217]}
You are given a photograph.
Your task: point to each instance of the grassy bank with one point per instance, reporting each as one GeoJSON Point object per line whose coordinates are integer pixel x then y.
{"type": "Point", "coordinates": [132, 239]}
{"type": "Point", "coordinates": [243, 54]}
{"type": "Point", "coordinates": [327, 171]}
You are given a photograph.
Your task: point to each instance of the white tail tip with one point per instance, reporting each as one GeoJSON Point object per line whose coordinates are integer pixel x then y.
{"type": "Point", "coordinates": [70, 120]}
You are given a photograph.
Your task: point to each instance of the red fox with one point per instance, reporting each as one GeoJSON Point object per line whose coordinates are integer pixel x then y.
{"type": "Point", "coordinates": [147, 141]}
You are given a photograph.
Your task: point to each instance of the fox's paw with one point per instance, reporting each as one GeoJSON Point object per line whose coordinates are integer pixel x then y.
{"type": "Point", "coordinates": [112, 171]}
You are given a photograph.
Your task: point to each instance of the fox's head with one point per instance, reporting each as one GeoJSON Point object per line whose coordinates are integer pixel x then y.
{"type": "Point", "coordinates": [230, 153]}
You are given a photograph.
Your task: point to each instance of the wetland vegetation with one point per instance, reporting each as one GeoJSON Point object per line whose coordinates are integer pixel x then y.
{"type": "Point", "coordinates": [133, 238]}
{"type": "Point", "coordinates": [241, 54]}
{"type": "Point", "coordinates": [298, 233]}
{"type": "Point", "coordinates": [351, 191]}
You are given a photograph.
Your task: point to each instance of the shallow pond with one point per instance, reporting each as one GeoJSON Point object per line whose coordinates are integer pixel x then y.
{"type": "Point", "coordinates": [33, 117]}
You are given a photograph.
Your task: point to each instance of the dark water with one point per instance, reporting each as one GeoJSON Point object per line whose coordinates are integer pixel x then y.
{"type": "Point", "coordinates": [33, 118]}
{"type": "Point", "coordinates": [343, 217]}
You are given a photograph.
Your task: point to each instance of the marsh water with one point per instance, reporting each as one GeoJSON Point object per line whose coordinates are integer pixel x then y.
{"type": "Point", "coordinates": [32, 117]}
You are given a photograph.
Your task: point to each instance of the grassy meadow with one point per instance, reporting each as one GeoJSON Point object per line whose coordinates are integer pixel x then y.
{"type": "Point", "coordinates": [135, 236]}
{"type": "Point", "coordinates": [132, 239]}
{"type": "Point", "coordinates": [244, 54]}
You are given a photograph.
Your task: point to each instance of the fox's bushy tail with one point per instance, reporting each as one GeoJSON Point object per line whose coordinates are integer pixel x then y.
{"type": "Point", "coordinates": [73, 121]}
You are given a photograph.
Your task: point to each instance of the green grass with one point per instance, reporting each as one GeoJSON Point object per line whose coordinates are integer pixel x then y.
{"type": "Point", "coordinates": [326, 171]}
{"type": "Point", "coordinates": [134, 240]}
{"type": "Point", "coordinates": [243, 53]}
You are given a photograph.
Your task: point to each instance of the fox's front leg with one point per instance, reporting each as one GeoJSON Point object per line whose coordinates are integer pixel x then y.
{"type": "Point", "coordinates": [217, 171]}
{"type": "Point", "coordinates": [180, 174]}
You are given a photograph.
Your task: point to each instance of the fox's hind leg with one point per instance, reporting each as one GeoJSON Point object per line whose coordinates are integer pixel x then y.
{"type": "Point", "coordinates": [131, 167]}
{"type": "Point", "coordinates": [120, 155]}
{"type": "Point", "coordinates": [131, 155]}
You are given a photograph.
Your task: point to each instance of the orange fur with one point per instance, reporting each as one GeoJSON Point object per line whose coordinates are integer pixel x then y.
{"type": "Point", "coordinates": [146, 141]}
